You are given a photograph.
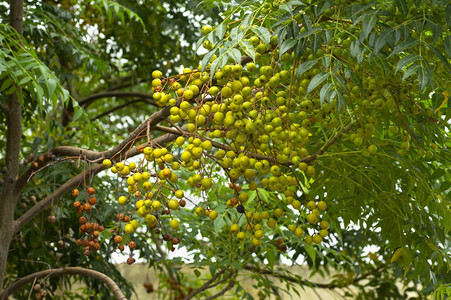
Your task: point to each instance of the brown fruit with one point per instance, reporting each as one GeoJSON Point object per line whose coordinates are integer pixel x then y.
{"type": "Point", "coordinates": [87, 207]}
{"type": "Point", "coordinates": [182, 202]}
{"type": "Point", "coordinates": [132, 245]}
{"type": "Point", "coordinates": [83, 220]}
{"type": "Point", "coordinates": [118, 239]}
{"type": "Point", "coordinates": [77, 204]}
{"type": "Point", "coordinates": [75, 192]}
{"type": "Point", "coordinates": [91, 191]}
{"type": "Point", "coordinates": [130, 260]}
{"type": "Point", "coordinates": [175, 241]}
{"type": "Point", "coordinates": [92, 200]}
{"type": "Point", "coordinates": [37, 287]}
{"type": "Point", "coordinates": [121, 247]}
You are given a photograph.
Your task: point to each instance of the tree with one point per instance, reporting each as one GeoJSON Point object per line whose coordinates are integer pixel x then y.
{"type": "Point", "coordinates": [310, 130]}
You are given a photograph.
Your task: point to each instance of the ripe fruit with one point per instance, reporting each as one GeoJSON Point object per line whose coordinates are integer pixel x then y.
{"type": "Point", "coordinates": [173, 204]}
{"type": "Point", "coordinates": [106, 163]}
{"type": "Point", "coordinates": [118, 239]}
{"type": "Point", "coordinates": [75, 193]}
{"type": "Point", "coordinates": [91, 191]}
{"type": "Point", "coordinates": [129, 228]}
{"type": "Point", "coordinates": [174, 224]}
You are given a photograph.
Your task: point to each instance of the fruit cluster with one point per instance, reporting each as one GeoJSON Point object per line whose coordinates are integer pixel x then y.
{"type": "Point", "coordinates": [91, 230]}
{"type": "Point", "coordinates": [264, 123]}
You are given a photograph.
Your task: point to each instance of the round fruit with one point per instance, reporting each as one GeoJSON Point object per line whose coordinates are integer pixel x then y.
{"type": "Point", "coordinates": [174, 224]}
{"type": "Point", "coordinates": [129, 228]}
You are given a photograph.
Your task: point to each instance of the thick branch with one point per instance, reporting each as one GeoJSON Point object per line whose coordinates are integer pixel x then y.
{"type": "Point", "coordinates": [119, 150]}
{"type": "Point", "coordinates": [112, 286]}
{"type": "Point", "coordinates": [54, 197]}
{"type": "Point", "coordinates": [88, 100]}
{"type": "Point", "coordinates": [71, 184]}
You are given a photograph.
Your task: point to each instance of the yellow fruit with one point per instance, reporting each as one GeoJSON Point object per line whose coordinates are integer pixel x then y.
{"type": "Point", "coordinates": [317, 239]}
{"type": "Point", "coordinates": [106, 163]}
{"type": "Point", "coordinates": [122, 200]}
{"type": "Point", "coordinates": [322, 205]}
{"type": "Point", "coordinates": [173, 204]}
{"type": "Point", "coordinates": [258, 234]}
{"type": "Point", "coordinates": [241, 235]}
{"type": "Point", "coordinates": [278, 213]}
{"type": "Point", "coordinates": [234, 228]}
{"type": "Point", "coordinates": [298, 232]}
{"type": "Point", "coordinates": [271, 223]}
{"type": "Point", "coordinates": [156, 205]}
{"type": "Point", "coordinates": [129, 228]}
{"type": "Point", "coordinates": [213, 215]}
{"type": "Point", "coordinates": [174, 224]}
{"type": "Point", "coordinates": [308, 240]}
{"type": "Point", "coordinates": [199, 211]}
{"type": "Point", "coordinates": [151, 220]}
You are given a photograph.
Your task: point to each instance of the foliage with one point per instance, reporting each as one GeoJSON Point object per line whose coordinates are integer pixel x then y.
{"type": "Point", "coordinates": [294, 106]}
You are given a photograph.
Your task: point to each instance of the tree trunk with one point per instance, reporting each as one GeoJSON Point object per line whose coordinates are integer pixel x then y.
{"type": "Point", "coordinates": [9, 195]}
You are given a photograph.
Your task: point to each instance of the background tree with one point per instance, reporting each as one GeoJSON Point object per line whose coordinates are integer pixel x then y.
{"type": "Point", "coordinates": [302, 120]}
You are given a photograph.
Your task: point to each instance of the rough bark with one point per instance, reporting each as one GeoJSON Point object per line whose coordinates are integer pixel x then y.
{"type": "Point", "coordinates": [9, 195]}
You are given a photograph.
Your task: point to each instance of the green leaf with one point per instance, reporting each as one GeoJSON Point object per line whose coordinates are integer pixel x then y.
{"type": "Point", "coordinates": [368, 24]}
{"type": "Point", "coordinates": [235, 54]}
{"type": "Point", "coordinates": [311, 253]}
{"type": "Point", "coordinates": [51, 86]}
{"type": "Point", "coordinates": [325, 91]}
{"type": "Point", "coordinates": [24, 80]}
{"type": "Point", "coordinates": [410, 71]}
{"type": "Point", "coordinates": [287, 45]}
{"type": "Point", "coordinates": [77, 114]}
{"type": "Point", "coordinates": [317, 80]}
{"type": "Point", "coordinates": [440, 55]}
{"type": "Point", "coordinates": [402, 5]}
{"type": "Point", "coordinates": [447, 44]}
{"type": "Point", "coordinates": [206, 59]}
{"type": "Point", "coordinates": [247, 48]}
{"type": "Point", "coordinates": [405, 61]}
{"type": "Point", "coordinates": [409, 43]}
{"type": "Point", "coordinates": [197, 273]}
{"type": "Point", "coordinates": [382, 39]}
{"type": "Point", "coordinates": [221, 30]}
{"type": "Point", "coordinates": [263, 34]}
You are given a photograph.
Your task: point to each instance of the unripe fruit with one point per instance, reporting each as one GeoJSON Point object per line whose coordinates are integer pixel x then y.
{"type": "Point", "coordinates": [322, 205]}
{"type": "Point", "coordinates": [241, 236]}
{"type": "Point", "coordinates": [234, 228]}
{"type": "Point", "coordinates": [317, 239]}
{"type": "Point", "coordinates": [213, 215]}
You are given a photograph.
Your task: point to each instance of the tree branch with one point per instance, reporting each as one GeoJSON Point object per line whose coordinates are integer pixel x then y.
{"type": "Point", "coordinates": [71, 184]}
{"type": "Point", "coordinates": [53, 197]}
{"type": "Point", "coordinates": [94, 156]}
{"type": "Point", "coordinates": [206, 285]}
{"type": "Point", "coordinates": [223, 291]}
{"type": "Point", "coordinates": [112, 286]}
{"type": "Point", "coordinates": [306, 282]}
{"type": "Point", "coordinates": [121, 106]}
{"type": "Point", "coordinates": [88, 100]}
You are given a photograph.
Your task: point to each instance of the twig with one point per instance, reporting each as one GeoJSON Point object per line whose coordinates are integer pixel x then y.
{"type": "Point", "coordinates": [122, 106]}
{"type": "Point", "coordinates": [88, 100]}
{"type": "Point", "coordinates": [228, 287]}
